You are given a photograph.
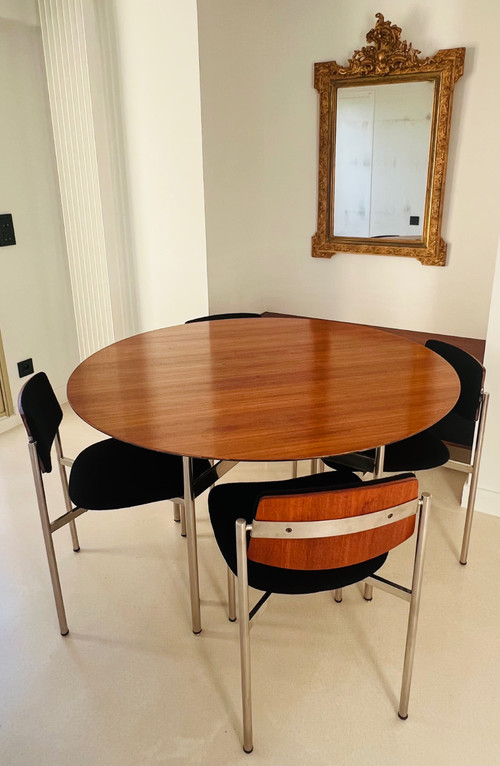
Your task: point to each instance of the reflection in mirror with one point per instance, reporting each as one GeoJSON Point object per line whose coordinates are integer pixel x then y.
{"type": "Point", "coordinates": [382, 159]}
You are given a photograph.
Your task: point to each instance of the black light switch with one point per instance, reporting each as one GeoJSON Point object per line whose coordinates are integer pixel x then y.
{"type": "Point", "coordinates": [7, 236]}
{"type": "Point", "coordinates": [414, 220]}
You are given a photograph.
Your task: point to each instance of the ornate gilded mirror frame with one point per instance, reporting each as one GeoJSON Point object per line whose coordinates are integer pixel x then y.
{"type": "Point", "coordinates": [387, 59]}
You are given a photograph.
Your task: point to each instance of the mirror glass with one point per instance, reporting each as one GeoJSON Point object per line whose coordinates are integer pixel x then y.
{"type": "Point", "coordinates": [382, 143]}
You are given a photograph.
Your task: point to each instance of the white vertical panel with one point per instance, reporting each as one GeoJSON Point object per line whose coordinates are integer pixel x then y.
{"type": "Point", "coordinates": [488, 493]}
{"type": "Point", "coordinates": [353, 162]}
{"type": "Point", "coordinates": [65, 49]}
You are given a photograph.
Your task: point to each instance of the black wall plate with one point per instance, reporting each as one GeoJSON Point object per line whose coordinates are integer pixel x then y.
{"type": "Point", "coordinates": [7, 236]}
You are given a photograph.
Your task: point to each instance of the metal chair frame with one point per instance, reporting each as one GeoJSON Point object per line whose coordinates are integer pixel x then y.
{"type": "Point", "coordinates": [49, 527]}
{"type": "Point", "coordinates": [420, 508]}
{"type": "Point", "coordinates": [472, 468]}
{"type": "Point", "coordinates": [72, 512]}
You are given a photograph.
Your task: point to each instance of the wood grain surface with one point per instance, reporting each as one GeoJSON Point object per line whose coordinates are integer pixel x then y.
{"type": "Point", "coordinates": [332, 552]}
{"type": "Point", "coordinates": [263, 389]}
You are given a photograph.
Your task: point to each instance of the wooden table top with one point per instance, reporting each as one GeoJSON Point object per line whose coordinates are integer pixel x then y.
{"type": "Point", "coordinates": [263, 389]}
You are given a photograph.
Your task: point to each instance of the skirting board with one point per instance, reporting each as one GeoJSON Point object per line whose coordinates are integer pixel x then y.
{"type": "Point", "coordinates": [488, 501]}
{"type": "Point", "coordinates": [9, 422]}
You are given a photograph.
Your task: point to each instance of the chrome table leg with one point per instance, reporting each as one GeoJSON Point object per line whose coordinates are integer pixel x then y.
{"type": "Point", "coordinates": [377, 474]}
{"type": "Point", "coordinates": [192, 546]}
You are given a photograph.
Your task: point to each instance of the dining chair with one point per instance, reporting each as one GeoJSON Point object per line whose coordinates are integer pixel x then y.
{"type": "Point", "coordinates": [313, 534]}
{"type": "Point", "coordinates": [462, 427]}
{"type": "Point", "coordinates": [105, 476]}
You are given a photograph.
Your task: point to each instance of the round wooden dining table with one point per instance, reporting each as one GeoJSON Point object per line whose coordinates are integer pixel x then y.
{"type": "Point", "coordinates": [261, 389]}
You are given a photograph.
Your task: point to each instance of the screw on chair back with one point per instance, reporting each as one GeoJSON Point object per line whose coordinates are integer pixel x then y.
{"type": "Point", "coordinates": [42, 415]}
{"type": "Point", "coordinates": [348, 540]}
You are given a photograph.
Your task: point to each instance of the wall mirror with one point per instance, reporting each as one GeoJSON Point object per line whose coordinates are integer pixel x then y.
{"type": "Point", "coordinates": [384, 123]}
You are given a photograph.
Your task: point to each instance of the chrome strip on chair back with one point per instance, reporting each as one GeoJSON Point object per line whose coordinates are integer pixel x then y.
{"type": "Point", "coordinates": [301, 530]}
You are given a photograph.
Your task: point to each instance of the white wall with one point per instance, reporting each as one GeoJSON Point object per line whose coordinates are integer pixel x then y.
{"type": "Point", "coordinates": [260, 124]}
{"type": "Point", "coordinates": [36, 311]}
{"type": "Point", "coordinates": [158, 79]}
{"type": "Point", "coordinates": [19, 10]}
{"type": "Point", "coordinates": [488, 495]}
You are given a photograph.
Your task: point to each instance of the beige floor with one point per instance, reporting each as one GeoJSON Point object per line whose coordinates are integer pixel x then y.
{"type": "Point", "coordinates": [131, 685]}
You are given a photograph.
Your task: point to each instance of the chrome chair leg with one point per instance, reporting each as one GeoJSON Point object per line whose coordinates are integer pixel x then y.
{"type": "Point", "coordinates": [67, 501]}
{"type": "Point", "coordinates": [231, 595]}
{"type": "Point", "coordinates": [416, 588]}
{"type": "Point", "coordinates": [474, 479]}
{"type": "Point", "coordinates": [74, 536]}
{"type": "Point", "coordinates": [177, 512]}
{"type": "Point", "coordinates": [49, 544]}
{"type": "Point", "coordinates": [337, 595]}
{"type": "Point", "coordinates": [367, 592]}
{"type": "Point", "coordinates": [246, 686]}
{"type": "Point", "coordinates": [183, 520]}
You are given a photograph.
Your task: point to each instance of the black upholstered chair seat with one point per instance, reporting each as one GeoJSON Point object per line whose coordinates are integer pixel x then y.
{"type": "Point", "coordinates": [124, 476]}
{"type": "Point", "coordinates": [229, 502]}
{"type": "Point", "coordinates": [417, 453]}
{"type": "Point", "coordinates": [455, 429]}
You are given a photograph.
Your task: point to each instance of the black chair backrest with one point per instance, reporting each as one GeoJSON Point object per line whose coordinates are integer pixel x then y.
{"type": "Point", "coordinates": [213, 317]}
{"type": "Point", "coordinates": [41, 414]}
{"type": "Point", "coordinates": [471, 374]}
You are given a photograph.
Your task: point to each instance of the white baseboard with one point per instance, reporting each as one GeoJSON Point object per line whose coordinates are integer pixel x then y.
{"type": "Point", "coordinates": [10, 422]}
{"type": "Point", "coordinates": [488, 501]}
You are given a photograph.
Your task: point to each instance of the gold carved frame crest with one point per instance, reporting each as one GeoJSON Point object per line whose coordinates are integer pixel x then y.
{"type": "Point", "coordinates": [387, 59]}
